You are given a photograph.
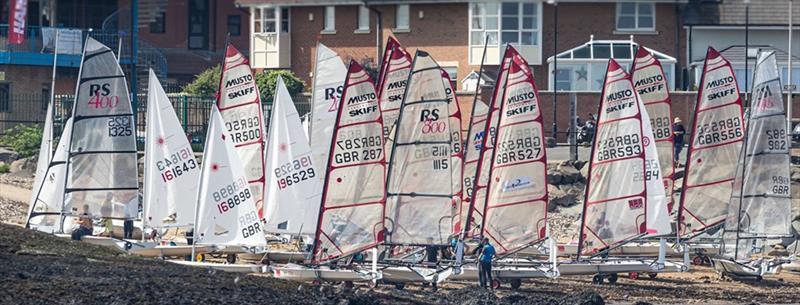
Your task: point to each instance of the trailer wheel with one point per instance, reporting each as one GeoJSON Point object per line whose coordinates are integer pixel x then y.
{"type": "Point", "coordinates": [633, 275]}
{"type": "Point", "coordinates": [652, 275]}
{"type": "Point", "coordinates": [612, 278]}
{"type": "Point", "coordinates": [495, 284]}
{"type": "Point", "coordinates": [372, 284]}
{"type": "Point", "coordinates": [399, 286]}
{"type": "Point", "coordinates": [230, 258]}
{"type": "Point", "coordinates": [597, 279]}
{"type": "Point", "coordinates": [516, 283]}
{"type": "Point", "coordinates": [201, 257]}
{"type": "Point", "coordinates": [697, 261]}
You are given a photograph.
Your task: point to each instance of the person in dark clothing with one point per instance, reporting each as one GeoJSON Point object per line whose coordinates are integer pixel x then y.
{"type": "Point", "coordinates": [485, 252]}
{"type": "Point", "coordinates": [678, 131]}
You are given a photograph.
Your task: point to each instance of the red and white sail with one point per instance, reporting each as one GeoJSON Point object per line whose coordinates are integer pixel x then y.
{"type": "Point", "coordinates": [329, 74]}
{"type": "Point", "coordinates": [484, 144]}
{"type": "Point", "coordinates": [292, 195]}
{"type": "Point", "coordinates": [760, 206]}
{"type": "Point", "coordinates": [392, 87]}
{"type": "Point", "coordinates": [653, 87]}
{"type": "Point", "coordinates": [226, 214]}
{"type": "Point", "coordinates": [170, 169]}
{"type": "Point", "coordinates": [239, 103]}
{"type": "Point", "coordinates": [717, 134]}
{"type": "Point", "coordinates": [420, 206]}
{"type": "Point", "coordinates": [354, 193]}
{"type": "Point", "coordinates": [472, 150]}
{"type": "Point", "coordinates": [102, 166]}
{"type": "Point", "coordinates": [516, 205]}
{"type": "Point", "coordinates": [616, 190]}
{"type": "Point", "coordinates": [456, 150]}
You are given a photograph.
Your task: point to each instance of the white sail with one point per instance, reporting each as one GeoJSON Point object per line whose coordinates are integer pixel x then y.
{"type": "Point", "coordinates": [45, 212]}
{"type": "Point", "coordinates": [171, 171]}
{"type": "Point", "coordinates": [485, 148]}
{"type": "Point", "coordinates": [472, 151]}
{"type": "Point", "coordinates": [760, 204]}
{"type": "Point", "coordinates": [456, 151]}
{"type": "Point", "coordinates": [292, 195]}
{"type": "Point", "coordinates": [305, 121]}
{"type": "Point", "coordinates": [658, 221]}
{"type": "Point", "coordinates": [102, 166]}
{"type": "Point", "coordinates": [44, 159]}
{"type": "Point", "coordinates": [651, 84]}
{"type": "Point", "coordinates": [226, 213]}
{"type": "Point", "coordinates": [616, 190]}
{"type": "Point", "coordinates": [716, 142]}
{"type": "Point", "coordinates": [329, 74]}
{"type": "Point", "coordinates": [354, 191]}
{"type": "Point", "coordinates": [419, 204]}
{"type": "Point", "coordinates": [516, 205]}
{"type": "Point", "coordinates": [239, 103]}
{"type": "Point", "coordinates": [392, 87]}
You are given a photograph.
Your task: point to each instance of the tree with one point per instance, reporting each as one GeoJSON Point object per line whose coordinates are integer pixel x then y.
{"type": "Point", "coordinates": [266, 83]}
{"type": "Point", "coordinates": [205, 83]}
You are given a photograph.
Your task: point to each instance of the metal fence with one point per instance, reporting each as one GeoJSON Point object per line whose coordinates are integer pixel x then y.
{"type": "Point", "coordinates": [192, 111]}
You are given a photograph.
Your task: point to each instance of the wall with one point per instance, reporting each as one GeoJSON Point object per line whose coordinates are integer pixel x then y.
{"type": "Point", "coordinates": [723, 38]}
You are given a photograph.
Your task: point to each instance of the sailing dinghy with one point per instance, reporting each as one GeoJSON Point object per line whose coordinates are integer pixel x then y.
{"type": "Point", "coordinates": [456, 151]}
{"type": "Point", "coordinates": [171, 171]}
{"type": "Point", "coordinates": [472, 151]}
{"type": "Point", "coordinates": [717, 134]}
{"type": "Point", "coordinates": [293, 192]}
{"type": "Point", "coordinates": [760, 204]}
{"type": "Point", "coordinates": [226, 213]}
{"type": "Point", "coordinates": [239, 102]}
{"type": "Point", "coordinates": [391, 86]}
{"type": "Point", "coordinates": [102, 163]}
{"type": "Point", "coordinates": [45, 209]}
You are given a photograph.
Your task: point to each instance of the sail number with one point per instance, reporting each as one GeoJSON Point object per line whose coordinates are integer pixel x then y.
{"type": "Point", "coordinates": [250, 224]}
{"type": "Point", "coordinates": [776, 139]}
{"type": "Point", "coordinates": [719, 131]}
{"type": "Point", "coordinates": [661, 127]}
{"type": "Point", "coordinates": [519, 149]}
{"type": "Point", "coordinates": [780, 185]}
{"type": "Point", "coordinates": [231, 195]}
{"type": "Point", "coordinates": [618, 147]}
{"type": "Point", "coordinates": [439, 155]}
{"type": "Point", "coordinates": [294, 171]}
{"type": "Point", "coordinates": [359, 149]}
{"type": "Point", "coordinates": [245, 129]}
{"type": "Point", "coordinates": [119, 126]}
{"type": "Point", "coordinates": [176, 164]}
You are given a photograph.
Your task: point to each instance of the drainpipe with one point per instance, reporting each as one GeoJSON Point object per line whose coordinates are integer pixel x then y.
{"type": "Point", "coordinates": [134, 51]}
{"type": "Point", "coordinates": [378, 40]}
{"type": "Point", "coordinates": [678, 76]}
{"type": "Point", "coordinates": [555, 67]}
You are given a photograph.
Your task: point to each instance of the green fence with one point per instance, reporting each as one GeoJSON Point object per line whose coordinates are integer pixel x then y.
{"type": "Point", "coordinates": [192, 111]}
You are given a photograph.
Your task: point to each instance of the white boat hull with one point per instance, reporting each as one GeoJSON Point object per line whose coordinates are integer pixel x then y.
{"type": "Point", "coordinates": [170, 251]}
{"type": "Point", "coordinates": [241, 268]}
{"type": "Point", "coordinates": [304, 274]}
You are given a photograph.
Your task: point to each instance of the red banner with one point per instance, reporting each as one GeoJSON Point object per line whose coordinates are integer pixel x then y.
{"type": "Point", "coordinates": [18, 12]}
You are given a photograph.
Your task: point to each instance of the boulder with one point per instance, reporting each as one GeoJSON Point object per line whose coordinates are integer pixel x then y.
{"type": "Point", "coordinates": [585, 172]}
{"type": "Point", "coordinates": [569, 174]}
{"type": "Point", "coordinates": [560, 197]}
{"type": "Point", "coordinates": [553, 177]}
{"type": "Point", "coordinates": [579, 164]}
{"type": "Point", "coordinates": [795, 173]}
{"type": "Point", "coordinates": [576, 189]}
{"type": "Point", "coordinates": [7, 155]}
{"type": "Point", "coordinates": [23, 166]}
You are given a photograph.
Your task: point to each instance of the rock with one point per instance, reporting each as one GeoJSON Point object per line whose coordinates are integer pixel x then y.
{"type": "Point", "coordinates": [553, 177]}
{"type": "Point", "coordinates": [585, 172]}
{"type": "Point", "coordinates": [550, 141]}
{"type": "Point", "coordinates": [7, 155]}
{"type": "Point", "coordinates": [560, 197]}
{"type": "Point", "coordinates": [23, 166]}
{"type": "Point", "coordinates": [679, 172]}
{"type": "Point", "coordinates": [795, 173]}
{"type": "Point", "coordinates": [575, 189]}
{"type": "Point", "coordinates": [569, 174]}
{"type": "Point", "coordinates": [579, 164]}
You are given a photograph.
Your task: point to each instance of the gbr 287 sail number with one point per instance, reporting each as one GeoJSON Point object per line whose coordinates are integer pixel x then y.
{"type": "Point", "coordinates": [360, 149]}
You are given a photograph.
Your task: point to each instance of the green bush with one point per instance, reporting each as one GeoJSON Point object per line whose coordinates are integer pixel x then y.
{"type": "Point", "coordinates": [24, 139]}
{"type": "Point", "coordinates": [4, 168]}
{"type": "Point", "coordinates": [266, 83]}
{"type": "Point", "coordinates": [207, 83]}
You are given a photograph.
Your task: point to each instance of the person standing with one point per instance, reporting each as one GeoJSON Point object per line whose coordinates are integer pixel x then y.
{"type": "Point", "coordinates": [678, 131]}
{"type": "Point", "coordinates": [485, 252]}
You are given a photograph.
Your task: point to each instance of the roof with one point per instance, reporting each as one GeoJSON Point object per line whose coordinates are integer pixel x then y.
{"type": "Point", "coordinates": [736, 54]}
{"type": "Point", "coordinates": [732, 12]}
{"type": "Point", "coordinates": [605, 49]}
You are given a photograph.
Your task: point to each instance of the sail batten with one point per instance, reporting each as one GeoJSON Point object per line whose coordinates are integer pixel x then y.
{"type": "Point", "coordinates": [716, 142]}
{"type": "Point", "coordinates": [353, 198]}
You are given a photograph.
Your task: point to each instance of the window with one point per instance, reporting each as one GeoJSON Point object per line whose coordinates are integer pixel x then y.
{"type": "Point", "coordinates": [452, 72]}
{"type": "Point", "coordinates": [5, 98]}
{"type": "Point", "coordinates": [158, 25]}
{"type": "Point", "coordinates": [363, 19]}
{"type": "Point", "coordinates": [636, 16]}
{"type": "Point", "coordinates": [235, 25]}
{"type": "Point", "coordinates": [285, 20]}
{"type": "Point", "coordinates": [795, 77]}
{"type": "Point", "coordinates": [401, 21]}
{"type": "Point", "coordinates": [740, 74]}
{"type": "Point", "coordinates": [45, 96]}
{"type": "Point", "coordinates": [507, 22]}
{"type": "Point", "coordinates": [330, 19]}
